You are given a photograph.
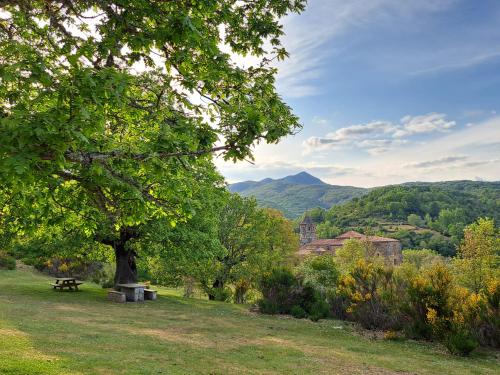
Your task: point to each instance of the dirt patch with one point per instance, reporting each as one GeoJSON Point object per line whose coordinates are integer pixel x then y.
{"type": "Point", "coordinates": [60, 307]}
{"type": "Point", "coordinates": [23, 267]}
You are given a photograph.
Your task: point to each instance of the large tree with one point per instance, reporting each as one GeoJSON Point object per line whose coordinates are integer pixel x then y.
{"type": "Point", "coordinates": [110, 110]}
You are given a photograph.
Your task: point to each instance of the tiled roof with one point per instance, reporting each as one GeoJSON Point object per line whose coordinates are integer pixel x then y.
{"type": "Point", "coordinates": [307, 220]}
{"type": "Point", "coordinates": [327, 241]}
{"type": "Point", "coordinates": [339, 240]}
{"type": "Point", "coordinates": [381, 239]}
{"type": "Point", "coordinates": [351, 234]}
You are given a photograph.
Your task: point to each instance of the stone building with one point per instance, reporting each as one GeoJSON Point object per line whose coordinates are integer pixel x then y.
{"type": "Point", "coordinates": [307, 231]}
{"type": "Point", "coordinates": [389, 248]}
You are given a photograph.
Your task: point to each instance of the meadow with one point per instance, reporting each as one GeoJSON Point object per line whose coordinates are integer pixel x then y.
{"type": "Point", "coordinates": [43, 331]}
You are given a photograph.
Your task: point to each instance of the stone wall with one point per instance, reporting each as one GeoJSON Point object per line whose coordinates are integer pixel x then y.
{"type": "Point", "coordinates": [391, 251]}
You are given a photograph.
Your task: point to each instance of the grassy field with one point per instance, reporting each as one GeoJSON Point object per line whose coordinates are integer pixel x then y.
{"type": "Point", "coordinates": [49, 332]}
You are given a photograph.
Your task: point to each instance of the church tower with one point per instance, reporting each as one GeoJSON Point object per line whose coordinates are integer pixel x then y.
{"type": "Point", "coordinates": [307, 231]}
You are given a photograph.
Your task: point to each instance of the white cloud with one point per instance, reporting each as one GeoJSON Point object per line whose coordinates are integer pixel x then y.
{"type": "Point", "coordinates": [320, 121]}
{"type": "Point", "coordinates": [462, 154]}
{"type": "Point", "coordinates": [437, 162]}
{"type": "Point", "coordinates": [380, 136]}
{"type": "Point", "coordinates": [424, 124]}
{"type": "Point", "coordinates": [359, 131]}
{"type": "Point", "coordinates": [379, 146]}
{"type": "Point", "coordinates": [476, 150]}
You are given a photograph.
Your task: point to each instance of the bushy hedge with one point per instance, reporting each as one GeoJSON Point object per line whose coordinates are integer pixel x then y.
{"type": "Point", "coordinates": [6, 261]}
{"type": "Point", "coordinates": [285, 293]}
{"type": "Point", "coordinates": [425, 303]}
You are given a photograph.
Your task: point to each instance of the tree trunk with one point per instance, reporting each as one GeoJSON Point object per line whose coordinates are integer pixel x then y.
{"type": "Point", "coordinates": [240, 294]}
{"type": "Point", "coordinates": [188, 287]}
{"type": "Point", "coordinates": [218, 284]}
{"type": "Point", "coordinates": [126, 269]}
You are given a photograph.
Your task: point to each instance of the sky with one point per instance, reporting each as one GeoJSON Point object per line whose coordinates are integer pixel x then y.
{"type": "Point", "coordinates": [388, 91]}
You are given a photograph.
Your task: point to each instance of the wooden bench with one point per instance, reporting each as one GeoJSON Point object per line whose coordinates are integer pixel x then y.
{"type": "Point", "coordinates": [150, 294]}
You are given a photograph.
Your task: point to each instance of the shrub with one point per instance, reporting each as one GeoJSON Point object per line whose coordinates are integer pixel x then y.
{"type": "Point", "coordinates": [478, 313]}
{"type": "Point", "coordinates": [298, 312]}
{"type": "Point", "coordinates": [268, 307]}
{"type": "Point", "coordinates": [80, 268]}
{"type": "Point", "coordinates": [393, 336]}
{"type": "Point", "coordinates": [321, 272]}
{"type": "Point", "coordinates": [421, 257]}
{"type": "Point", "coordinates": [338, 306]}
{"type": "Point", "coordinates": [241, 288]}
{"type": "Point", "coordinates": [283, 293]}
{"type": "Point", "coordinates": [320, 309]}
{"type": "Point", "coordinates": [460, 343]}
{"type": "Point", "coordinates": [427, 308]}
{"type": "Point", "coordinates": [489, 331]}
{"type": "Point", "coordinates": [222, 294]}
{"type": "Point", "coordinates": [7, 262]}
{"type": "Point", "coordinates": [363, 288]}
{"type": "Point", "coordinates": [278, 291]}
{"type": "Point", "coordinates": [106, 276]}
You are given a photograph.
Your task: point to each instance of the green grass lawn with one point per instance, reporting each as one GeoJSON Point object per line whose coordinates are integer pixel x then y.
{"type": "Point", "coordinates": [43, 331]}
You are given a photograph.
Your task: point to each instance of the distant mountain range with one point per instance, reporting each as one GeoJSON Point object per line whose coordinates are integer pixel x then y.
{"type": "Point", "coordinates": [293, 195]}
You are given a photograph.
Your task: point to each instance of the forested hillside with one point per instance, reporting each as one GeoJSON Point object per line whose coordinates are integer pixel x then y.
{"type": "Point", "coordinates": [421, 215]}
{"type": "Point", "coordinates": [295, 194]}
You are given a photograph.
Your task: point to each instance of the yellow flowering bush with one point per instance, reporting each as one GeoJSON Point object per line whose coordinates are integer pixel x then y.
{"type": "Point", "coordinates": [363, 291]}
{"type": "Point", "coordinates": [64, 268]}
{"type": "Point", "coordinates": [478, 313]}
{"type": "Point", "coordinates": [426, 306]}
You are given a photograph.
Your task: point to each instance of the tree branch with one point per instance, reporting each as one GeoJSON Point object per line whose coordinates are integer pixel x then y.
{"type": "Point", "coordinates": [85, 157]}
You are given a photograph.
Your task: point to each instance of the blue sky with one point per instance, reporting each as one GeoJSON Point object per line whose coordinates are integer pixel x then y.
{"type": "Point", "coordinates": [388, 91]}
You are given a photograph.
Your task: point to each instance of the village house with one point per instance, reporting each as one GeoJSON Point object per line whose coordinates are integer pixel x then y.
{"type": "Point", "coordinates": [389, 248]}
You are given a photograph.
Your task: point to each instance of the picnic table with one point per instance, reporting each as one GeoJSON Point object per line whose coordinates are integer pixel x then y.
{"type": "Point", "coordinates": [66, 282]}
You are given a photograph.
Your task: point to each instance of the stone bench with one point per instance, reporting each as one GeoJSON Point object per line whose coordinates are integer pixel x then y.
{"type": "Point", "coordinates": [115, 296]}
{"type": "Point", "coordinates": [149, 294]}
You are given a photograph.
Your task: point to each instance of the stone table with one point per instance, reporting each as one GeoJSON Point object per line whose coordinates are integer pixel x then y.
{"type": "Point", "coordinates": [133, 292]}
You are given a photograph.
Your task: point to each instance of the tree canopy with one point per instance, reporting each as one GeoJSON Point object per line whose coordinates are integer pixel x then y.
{"type": "Point", "coordinates": [110, 110]}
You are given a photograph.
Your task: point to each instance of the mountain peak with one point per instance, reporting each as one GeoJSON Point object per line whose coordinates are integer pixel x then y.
{"type": "Point", "coordinates": [296, 194]}
{"type": "Point", "coordinates": [303, 178]}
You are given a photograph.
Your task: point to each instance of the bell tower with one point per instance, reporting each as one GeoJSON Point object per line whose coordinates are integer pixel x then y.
{"type": "Point", "coordinates": [307, 231]}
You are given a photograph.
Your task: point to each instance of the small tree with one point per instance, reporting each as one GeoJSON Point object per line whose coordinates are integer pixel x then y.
{"type": "Point", "coordinates": [352, 251]}
{"type": "Point", "coordinates": [321, 272]}
{"type": "Point", "coordinates": [253, 240]}
{"type": "Point", "coordinates": [415, 220]}
{"type": "Point", "coordinates": [421, 257]}
{"type": "Point", "coordinates": [478, 258]}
